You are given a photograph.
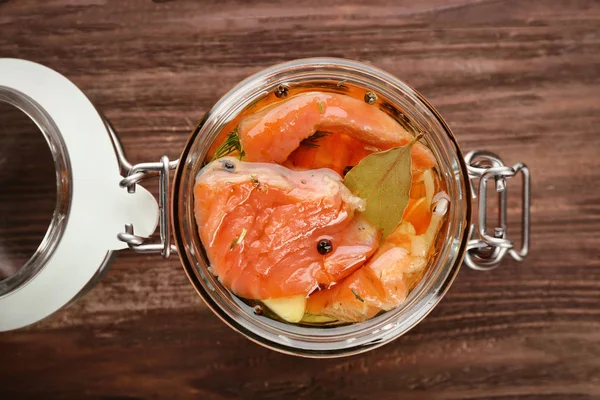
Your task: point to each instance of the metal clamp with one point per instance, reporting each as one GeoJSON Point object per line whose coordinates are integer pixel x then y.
{"type": "Point", "coordinates": [133, 175]}
{"type": "Point", "coordinates": [486, 251]}
{"type": "Point", "coordinates": [137, 173]}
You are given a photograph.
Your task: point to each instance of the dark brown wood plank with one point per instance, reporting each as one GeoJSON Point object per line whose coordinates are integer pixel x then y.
{"type": "Point", "coordinates": [519, 78]}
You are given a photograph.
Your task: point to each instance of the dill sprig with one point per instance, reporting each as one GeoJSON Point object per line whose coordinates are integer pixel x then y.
{"type": "Point", "coordinates": [312, 140]}
{"type": "Point", "coordinates": [230, 145]}
{"type": "Point", "coordinates": [355, 293]}
{"type": "Point", "coordinates": [238, 239]}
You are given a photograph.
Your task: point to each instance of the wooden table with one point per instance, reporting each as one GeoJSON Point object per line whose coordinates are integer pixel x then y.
{"type": "Point", "coordinates": [520, 78]}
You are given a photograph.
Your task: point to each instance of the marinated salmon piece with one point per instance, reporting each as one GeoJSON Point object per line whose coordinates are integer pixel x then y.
{"type": "Point", "coordinates": [383, 283]}
{"type": "Point", "coordinates": [261, 225]}
{"type": "Point", "coordinates": [355, 299]}
{"type": "Point", "coordinates": [272, 134]}
{"type": "Point", "coordinates": [333, 150]}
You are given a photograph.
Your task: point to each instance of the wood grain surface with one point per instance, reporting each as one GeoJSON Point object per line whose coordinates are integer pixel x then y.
{"type": "Point", "coordinates": [520, 78]}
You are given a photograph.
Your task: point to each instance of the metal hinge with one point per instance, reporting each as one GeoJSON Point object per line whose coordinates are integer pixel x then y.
{"type": "Point", "coordinates": [133, 175]}
{"type": "Point", "coordinates": [136, 174]}
{"type": "Point", "coordinates": [486, 250]}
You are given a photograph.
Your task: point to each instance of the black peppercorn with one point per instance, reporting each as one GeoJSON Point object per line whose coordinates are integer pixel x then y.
{"type": "Point", "coordinates": [370, 98]}
{"type": "Point", "coordinates": [258, 309]}
{"type": "Point", "coordinates": [228, 166]}
{"type": "Point", "coordinates": [281, 91]}
{"type": "Point", "coordinates": [324, 246]}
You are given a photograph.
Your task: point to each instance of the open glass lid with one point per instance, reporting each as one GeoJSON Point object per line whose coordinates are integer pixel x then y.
{"type": "Point", "coordinates": [58, 227]}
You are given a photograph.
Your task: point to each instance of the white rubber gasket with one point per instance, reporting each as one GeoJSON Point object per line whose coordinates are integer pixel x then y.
{"type": "Point", "coordinates": [99, 208]}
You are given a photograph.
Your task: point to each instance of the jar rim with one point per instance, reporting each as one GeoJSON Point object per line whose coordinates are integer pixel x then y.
{"type": "Point", "coordinates": [381, 329]}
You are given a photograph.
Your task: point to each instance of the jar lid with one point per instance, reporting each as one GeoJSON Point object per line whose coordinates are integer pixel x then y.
{"type": "Point", "coordinates": [91, 208]}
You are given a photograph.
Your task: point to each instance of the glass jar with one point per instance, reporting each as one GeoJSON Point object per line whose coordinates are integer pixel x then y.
{"type": "Point", "coordinates": [458, 239]}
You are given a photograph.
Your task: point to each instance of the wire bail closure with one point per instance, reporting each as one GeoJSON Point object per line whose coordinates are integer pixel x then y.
{"type": "Point", "coordinates": [487, 251]}
{"type": "Point", "coordinates": [136, 174]}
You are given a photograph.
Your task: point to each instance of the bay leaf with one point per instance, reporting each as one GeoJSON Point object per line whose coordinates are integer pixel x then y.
{"type": "Point", "coordinates": [383, 179]}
